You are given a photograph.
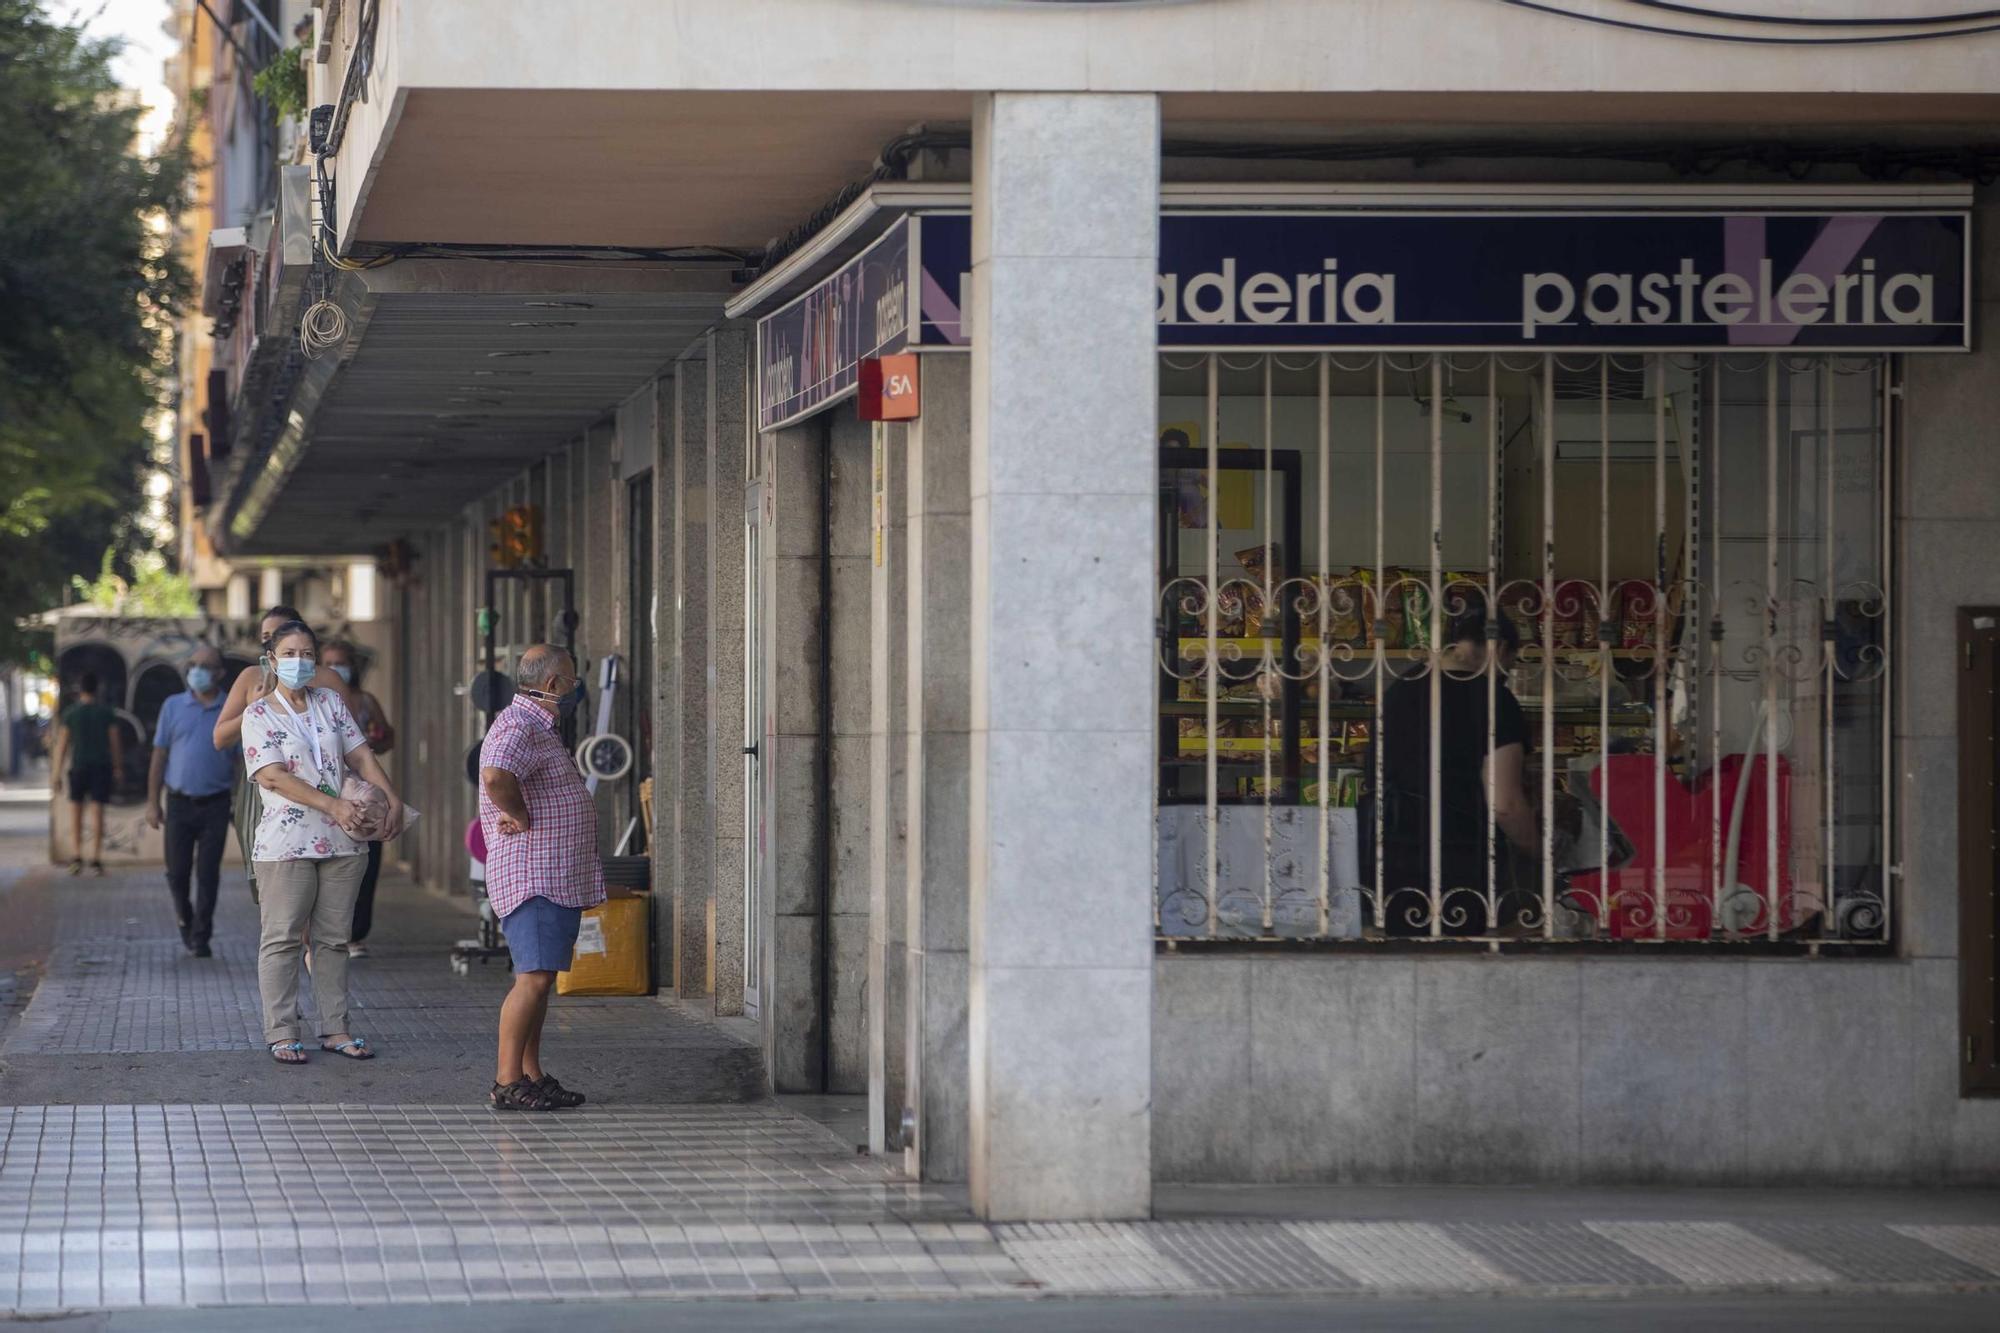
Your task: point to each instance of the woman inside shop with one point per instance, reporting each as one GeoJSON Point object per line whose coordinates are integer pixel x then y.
{"type": "Point", "coordinates": [1464, 766]}
{"type": "Point", "coordinates": [340, 658]}
{"type": "Point", "coordinates": [299, 742]}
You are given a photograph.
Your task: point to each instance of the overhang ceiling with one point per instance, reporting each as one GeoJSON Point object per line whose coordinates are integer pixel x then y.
{"type": "Point", "coordinates": [432, 409]}
{"type": "Point", "coordinates": [659, 169]}
{"type": "Point", "coordinates": [450, 393]}
{"type": "Point", "coordinates": [679, 168]}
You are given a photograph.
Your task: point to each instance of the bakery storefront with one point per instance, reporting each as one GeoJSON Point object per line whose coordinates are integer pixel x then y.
{"type": "Point", "coordinates": [1651, 437]}
{"type": "Point", "coordinates": [1525, 593]}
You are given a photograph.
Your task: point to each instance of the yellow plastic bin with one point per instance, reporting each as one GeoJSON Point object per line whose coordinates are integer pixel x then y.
{"type": "Point", "coordinates": [611, 953]}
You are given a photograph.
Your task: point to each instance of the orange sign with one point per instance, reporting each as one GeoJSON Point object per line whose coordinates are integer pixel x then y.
{"type": "Point", "coordinates": [888, 388]}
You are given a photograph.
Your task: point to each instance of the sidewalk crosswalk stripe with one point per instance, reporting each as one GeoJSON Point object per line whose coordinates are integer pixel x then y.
{"type": "Point", "coordinates": [1978, 1246]}
{"type": "Point", "coordinates": [1091, 1256]}
{"type": "Point", "coordinates": [1407, 1255]}
{"type": "Point", "coordinates": [1714, 1254]}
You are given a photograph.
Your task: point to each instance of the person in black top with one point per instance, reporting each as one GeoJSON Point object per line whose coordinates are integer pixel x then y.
{"type": "Point", "coordinates": [1464, 766]}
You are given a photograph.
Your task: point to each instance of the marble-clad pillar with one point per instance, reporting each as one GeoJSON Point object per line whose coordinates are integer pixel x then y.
{"type": "Point", "coordinates": [937, 542]}
{"type": "Point", "coordinates": [1065, 228]}
{"type": "Point", "coordinates": [727, 433]}
{"type": "Point", "coordinates": [888, 887]}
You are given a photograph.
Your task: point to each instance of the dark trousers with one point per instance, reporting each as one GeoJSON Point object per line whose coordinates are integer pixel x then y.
{"type": "Point", "coordinates": [196, 829]}
{"type": "Point", "coordinates": [364, 904]}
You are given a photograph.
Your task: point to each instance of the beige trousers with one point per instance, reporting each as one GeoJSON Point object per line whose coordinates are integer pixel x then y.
{"type": "Point", "coordinates": [291, 894]}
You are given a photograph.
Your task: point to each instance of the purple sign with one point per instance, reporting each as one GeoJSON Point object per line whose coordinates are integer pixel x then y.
{"type": "Point", "coordinates": [1665, 281]}
{"type": "Point", "coordinates": [809, 352]}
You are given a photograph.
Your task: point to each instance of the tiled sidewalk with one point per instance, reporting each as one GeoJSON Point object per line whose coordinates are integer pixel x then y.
{"type": "Point", "coordinates": [123, 1013]}
{"type": "Point", "coordinates": [675, 1187]}
{"type": "Point", "coordinates": [249, 1205]}
{"type": "Point", "coordinates": [118, 979]}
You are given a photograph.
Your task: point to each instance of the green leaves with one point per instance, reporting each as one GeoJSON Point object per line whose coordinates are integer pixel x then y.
{"type": "Point", "coordinates": [282, 83]}
{"type": "Point", "coordinates": [89, 286]}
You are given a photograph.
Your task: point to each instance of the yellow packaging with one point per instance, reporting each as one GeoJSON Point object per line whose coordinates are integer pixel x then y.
{"type": "Point", "coordinates": [610, 954]}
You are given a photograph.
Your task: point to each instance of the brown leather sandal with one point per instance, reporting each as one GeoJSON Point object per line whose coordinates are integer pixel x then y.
{"type": "Point", "coordinates": [556, 1092]}
{"type": "Point", "coordinates": [521, 1096]}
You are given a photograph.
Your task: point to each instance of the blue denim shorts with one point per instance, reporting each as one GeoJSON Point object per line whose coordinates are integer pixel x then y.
{"type": "Point", "coordinates": [541, 935]}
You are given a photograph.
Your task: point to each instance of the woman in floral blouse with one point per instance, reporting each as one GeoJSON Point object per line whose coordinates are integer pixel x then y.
{"type": "Point", "coordinates": [298, 742]}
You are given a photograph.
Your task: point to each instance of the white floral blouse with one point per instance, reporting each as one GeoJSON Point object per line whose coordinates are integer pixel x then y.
{"type": "Point", "coordinates": [274, 734]}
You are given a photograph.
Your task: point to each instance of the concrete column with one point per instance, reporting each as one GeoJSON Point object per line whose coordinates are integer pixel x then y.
{"type": "Point", "coordinates": [792, 876]}
{"type": "Point", "coordinates": [728, 352]}
{"type": "Point", "coordinates": [850, 441]}
{"type": "Point", "coordinates": [694, 824]}
{"type": "Point", "coordinates": [938, 540]}
{"type": "Point", "coordinates": [664, 850]}
{"type": "Point", "coordinates": [599, 592]}
{"type": "Point", "coordinates": [1064, 386]}
{"type": "Point", "coordinates": [888, 881]}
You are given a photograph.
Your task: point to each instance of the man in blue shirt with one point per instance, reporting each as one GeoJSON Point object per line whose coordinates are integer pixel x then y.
{"type": "Point", "coordinates": [197, 779]}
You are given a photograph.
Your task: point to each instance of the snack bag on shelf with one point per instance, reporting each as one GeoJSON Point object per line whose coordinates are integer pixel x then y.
{"type": "Point", "coordinates": [1350, 604]}
{"type": "Point", "coordinates": [1576, 614]}
{"type": "Point", "coordinates": [1638, 613]}
{"type": "Point", "coordinates": [1522, 605]}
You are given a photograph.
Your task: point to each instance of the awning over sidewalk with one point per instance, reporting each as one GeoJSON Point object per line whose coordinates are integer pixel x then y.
{"type": "Point", "coordinates": [455, 375]}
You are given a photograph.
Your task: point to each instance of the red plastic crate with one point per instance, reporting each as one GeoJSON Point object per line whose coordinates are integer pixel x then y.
{"type": "Point", "coordinates": [1623, 785]}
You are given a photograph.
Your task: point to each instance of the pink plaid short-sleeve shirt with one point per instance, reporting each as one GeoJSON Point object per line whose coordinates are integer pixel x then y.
{"type": "Point", "coordinates": [557, 856]}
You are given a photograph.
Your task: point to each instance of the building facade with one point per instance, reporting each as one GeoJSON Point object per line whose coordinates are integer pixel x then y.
{"type": "Point", "coordinates": [1114, 770]}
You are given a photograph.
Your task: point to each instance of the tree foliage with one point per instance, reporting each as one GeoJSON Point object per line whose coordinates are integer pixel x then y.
{"type": "Point", "coordinates": [89, 283]}
{"type": "Point", "coordinates": [153, 590]}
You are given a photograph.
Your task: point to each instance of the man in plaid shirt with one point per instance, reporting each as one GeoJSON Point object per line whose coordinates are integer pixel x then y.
{"type": "Point", "coordinates": [542, 868]}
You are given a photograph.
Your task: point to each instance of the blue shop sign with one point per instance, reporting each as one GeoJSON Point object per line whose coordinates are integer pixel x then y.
{"type": "Point", "coordinates": [1662, 281]}
{"type": "Point", "coordinates": [809, 352]}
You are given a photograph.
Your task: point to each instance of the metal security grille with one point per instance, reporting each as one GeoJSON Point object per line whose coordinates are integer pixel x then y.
{"type": "Point", "coordinates": [1501, 648]}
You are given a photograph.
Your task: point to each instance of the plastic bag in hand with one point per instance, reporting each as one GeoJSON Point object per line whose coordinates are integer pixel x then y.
{"type": "Point", "coordinates": [372, 805]}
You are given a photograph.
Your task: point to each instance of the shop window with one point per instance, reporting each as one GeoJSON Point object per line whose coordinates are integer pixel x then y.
{"type": "Point", "coordinates": [1523, 648]}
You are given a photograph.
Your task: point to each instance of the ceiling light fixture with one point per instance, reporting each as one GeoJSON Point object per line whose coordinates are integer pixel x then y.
{"type": "Point", "coordinates": [559, 305]}
{"type": "Point", "coordinates": [538, 351]}
{"type": "Point", "coordinates": [542, 324]}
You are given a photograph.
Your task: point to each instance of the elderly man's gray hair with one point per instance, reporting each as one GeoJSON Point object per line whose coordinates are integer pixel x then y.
{"type": "Point", "coordinates": [541, 664]}
{"type": "Point", "coordinates": [205, 652]}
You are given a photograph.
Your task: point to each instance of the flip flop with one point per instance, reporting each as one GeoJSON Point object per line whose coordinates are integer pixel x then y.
{"type": "Point", "coordinates": [291, 1047]}
{"type": "Point", "coordinates": [354, 1048]}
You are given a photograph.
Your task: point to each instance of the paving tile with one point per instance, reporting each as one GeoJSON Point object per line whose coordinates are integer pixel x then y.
{"type": "Point", "coordinates": [1559, 1254]}
{"type": "Point", "coordinates": [1415, 1256]}
{"type": "Point", "coordinates": [1977, 1246]}
{"type": "Point", "coordinates": [1092, 1257]}
{"type": "Point", "coordinates": [1714, 1254]}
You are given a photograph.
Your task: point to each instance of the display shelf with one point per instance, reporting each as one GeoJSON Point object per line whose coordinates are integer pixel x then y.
{"type": "Point", "coordinates": [1195, 646]}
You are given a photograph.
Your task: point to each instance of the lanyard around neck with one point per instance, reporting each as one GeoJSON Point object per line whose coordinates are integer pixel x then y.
{"type": "Point", "coordinates": [311, 733]}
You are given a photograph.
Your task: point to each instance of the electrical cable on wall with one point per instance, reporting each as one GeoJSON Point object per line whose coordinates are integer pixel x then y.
{"type": "Point", "coordinates": [1970, 25]}
{"type": "Point", "coordinates": [322, 328]}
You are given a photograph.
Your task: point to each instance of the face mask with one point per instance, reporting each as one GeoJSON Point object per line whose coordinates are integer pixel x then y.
{"type": "Point", "coordinates": [566, 704]}
{"type": "Point", "coordinates": [200, 679]}
{"type": "Point", "coordinates": [294, 672]}
{"type": "Point", "coordinates": [346, 673]}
